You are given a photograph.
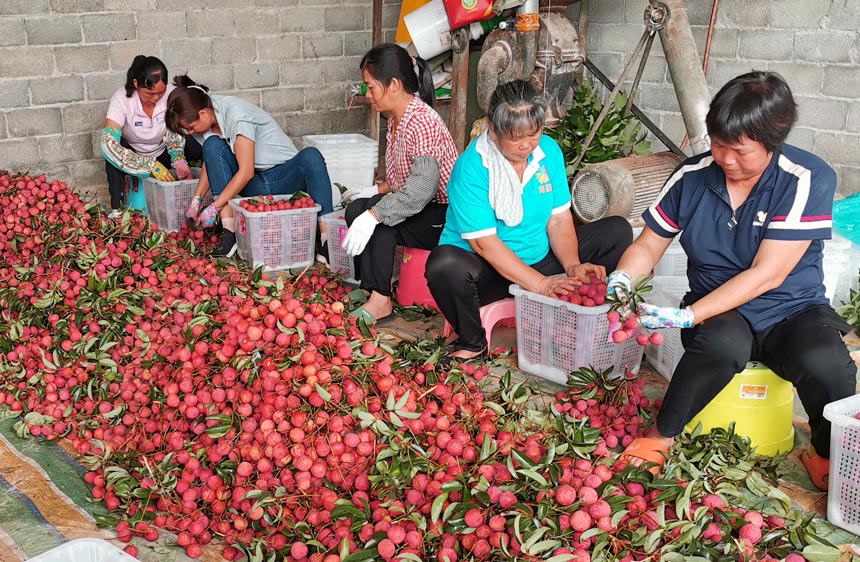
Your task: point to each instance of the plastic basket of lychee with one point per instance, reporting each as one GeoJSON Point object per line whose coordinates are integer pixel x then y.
{"type": "Point", "coordinates": [667, 291]}
{"type": "Point", "coordinates": [276, 231]}
{"type": "Point", "coordinates": [556, 337]}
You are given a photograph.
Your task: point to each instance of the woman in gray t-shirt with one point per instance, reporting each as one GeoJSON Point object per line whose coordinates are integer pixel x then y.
{"type": "Point", "coordinates": [245, 153]}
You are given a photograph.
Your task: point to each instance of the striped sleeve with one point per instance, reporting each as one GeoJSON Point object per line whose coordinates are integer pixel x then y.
{"type": "Point", "coordinates": [805, 210]}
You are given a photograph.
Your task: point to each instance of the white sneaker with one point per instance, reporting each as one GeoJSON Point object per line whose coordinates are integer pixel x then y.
{"type": "Point", "coordinates": [114, 214]}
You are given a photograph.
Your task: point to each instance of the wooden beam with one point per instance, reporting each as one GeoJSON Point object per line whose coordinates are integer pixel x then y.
{"type": "Point", "coordinates": [375, 38]}
{"type": "Point", "coordinates": [459, 95]}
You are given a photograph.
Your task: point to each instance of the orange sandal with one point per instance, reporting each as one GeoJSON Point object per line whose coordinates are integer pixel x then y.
{"type": "Point", "coordinates": [649, 450]}
{"type": "Point", "coordinates": [817, 467]}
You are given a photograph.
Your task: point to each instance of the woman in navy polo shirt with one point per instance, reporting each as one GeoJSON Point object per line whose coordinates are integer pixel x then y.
{"type": "Point", "coordinates": [509, 221]}
{"type": "Point", "coordinates": [753, 214]}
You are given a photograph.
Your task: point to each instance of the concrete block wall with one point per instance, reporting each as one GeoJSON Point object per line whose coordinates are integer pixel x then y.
{"type": "Point", "coordinates": [815, 45]}
{"type": "Point", "coordinates": [61, 60]}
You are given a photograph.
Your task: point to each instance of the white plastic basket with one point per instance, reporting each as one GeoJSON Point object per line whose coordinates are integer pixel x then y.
{"type": "Point", "coordinates": [276, 239]}
{"type": "Point", "coordinates": [555, 337]}
{"type": "Point", "coordinates": [338, 260]}
{"type": "Point", "coordinates": [843, 489]}
{"type": "Point", "coordinates": [167, 201]}
{"type": "Point", "coordinates": [85, 550]}
{"type": "Point", "coordinates": [350, 158]}
{"type": "Point", "coordinates": [673, 263]}
{"type": "Point", "coordinates": [841, 263]}
{"type": "Point", "coordinates": [668, 291]}
{"type": "Point", "coordinates": [341, 262]}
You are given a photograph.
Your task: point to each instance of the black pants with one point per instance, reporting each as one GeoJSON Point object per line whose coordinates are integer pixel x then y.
{"type": "Point", "coordinates": [805, 349]}
{"type": "Point", "coordinates": [116, 178]}
{"type": "Point", "coordinates": [376, 262]}
{"type": "Point", "coordinates": [462, 281]}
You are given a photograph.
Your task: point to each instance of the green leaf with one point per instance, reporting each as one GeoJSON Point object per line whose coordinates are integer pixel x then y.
{"type": "Point", "coordinates": [821, 553]}
{"type": "Point", "coordinates": [436, 508]}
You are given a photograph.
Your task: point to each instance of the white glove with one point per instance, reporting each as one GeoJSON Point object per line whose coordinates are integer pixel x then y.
{"type": "Point", "coordinates": [359, 233]}
{"type": "Point", "coordinates": [354, 193]}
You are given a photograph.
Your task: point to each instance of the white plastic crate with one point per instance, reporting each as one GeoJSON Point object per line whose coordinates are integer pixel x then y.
{"type": "Point", "coordinates": [675, 244]}
{"type": "Point", "coordinates": [85, 550]}
{"type": "Point", "coordinates": [276, 239]}
{"type": "Point", "coordinates": [341, 262]}
{"type": "Point", "coordinates": [555, 337]}
{"type": "Point", "coordinates": [167, 201]}
{"type": "Point", "coordinates": [668, 291]}
{"type": "Point", "coordinates": [350, 158]}
{"type": "Point", "coordinates": [841, 264]}
{"type": "Point", "coordinates": [338, 260]}
{"type": "Point", "coordinates": [843, 490]}
{"type": "Point", "coordinates": [673, 263]}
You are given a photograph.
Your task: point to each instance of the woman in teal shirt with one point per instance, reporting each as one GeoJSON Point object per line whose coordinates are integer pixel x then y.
{"type": "Point", "coordinates": [509, 221]}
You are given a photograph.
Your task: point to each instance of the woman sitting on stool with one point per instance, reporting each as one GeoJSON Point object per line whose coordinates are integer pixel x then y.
{"type": "Point", "coordinates": [409, 207]}
{"type": "Point", "coordinates": [753, 214]}
{"type": "Point", "coordinates": [509, 221]}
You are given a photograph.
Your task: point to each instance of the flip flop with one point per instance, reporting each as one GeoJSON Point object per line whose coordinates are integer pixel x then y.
{"type": "Point", "coordinates": [363, 314]}
{"type": "Point", "coordinates": [648, 450]}
{"type": "Point", "coordinates": [817, 467]}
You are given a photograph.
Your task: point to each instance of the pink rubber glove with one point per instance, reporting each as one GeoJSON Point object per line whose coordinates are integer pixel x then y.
{"type": "Point", "coordinates": [194, 209]}
{"type": "Point", "coordinates": [207, 217]}
{"type": "Point", "coordinates": [182, 170]}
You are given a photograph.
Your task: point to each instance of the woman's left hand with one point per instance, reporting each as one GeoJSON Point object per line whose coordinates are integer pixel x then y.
{"type": "Point", "coordinates": [657, 317]}
{"type": "Point", "coordinates": [583, 272]}
{"type": "Point", "coordinates": [207, 217]}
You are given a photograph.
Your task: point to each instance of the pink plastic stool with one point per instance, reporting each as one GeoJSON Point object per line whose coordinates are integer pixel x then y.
{"type": "Point", "coordinates": [412, 287]}
{"type": "Point", "coordinates": [502, 312]}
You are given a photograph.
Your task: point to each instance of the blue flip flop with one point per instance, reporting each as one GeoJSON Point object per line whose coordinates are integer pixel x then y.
{"type": "Point", "coordinates": [363, 314]}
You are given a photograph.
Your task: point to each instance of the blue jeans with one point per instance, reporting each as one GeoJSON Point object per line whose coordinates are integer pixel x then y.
{"type": "Point", "coordinates": [306, 171]}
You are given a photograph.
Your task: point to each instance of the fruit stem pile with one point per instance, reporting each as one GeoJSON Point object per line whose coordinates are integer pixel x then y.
{"type": "Point", "coordinates": [209, 402]}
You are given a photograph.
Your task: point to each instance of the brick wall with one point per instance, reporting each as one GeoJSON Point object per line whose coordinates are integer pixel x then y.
{"type": "Point", "coordinates": [61, 60]}
{"type": "Point", "coordinates": [814, 44]}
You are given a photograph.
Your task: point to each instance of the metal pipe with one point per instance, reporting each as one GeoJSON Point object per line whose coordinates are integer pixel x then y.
{"type": "Point", "coordinates": [714, 9]}
{"type": "Point", "coordinates": [583, 35]}
{"type": "Point", "coordinates": [688, 78]}
{"type": "Point", "coordinates": [634, 109]}
{"type": "Point", "coordinates": [528, 24]}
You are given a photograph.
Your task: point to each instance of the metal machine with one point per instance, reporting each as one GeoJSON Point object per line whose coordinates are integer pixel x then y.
{"type": "Point", "coordinates": [552, 56]}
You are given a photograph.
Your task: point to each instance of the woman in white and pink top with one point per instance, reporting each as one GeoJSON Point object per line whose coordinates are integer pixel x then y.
{"type": "Point", "coordinates": [135, 140]}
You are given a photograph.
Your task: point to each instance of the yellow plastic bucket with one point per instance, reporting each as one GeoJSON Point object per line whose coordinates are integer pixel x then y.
{"type": "Point", "coordinates": [760, 403]}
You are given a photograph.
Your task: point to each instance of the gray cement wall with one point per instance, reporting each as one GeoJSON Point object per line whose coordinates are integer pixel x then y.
{"type": "Point", "coordinates": [61, 60]}
{"type": "Point", "coordinates": [814, 44]}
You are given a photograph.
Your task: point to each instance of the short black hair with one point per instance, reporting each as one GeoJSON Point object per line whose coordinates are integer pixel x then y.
{"type": "Point", "coordinates": [757, 104]}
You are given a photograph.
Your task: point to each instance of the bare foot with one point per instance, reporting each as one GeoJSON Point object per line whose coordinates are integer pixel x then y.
{"type": "Point", "coordinates": [465, 354]}
{"type": "Point", "coordinates": [379, 305]}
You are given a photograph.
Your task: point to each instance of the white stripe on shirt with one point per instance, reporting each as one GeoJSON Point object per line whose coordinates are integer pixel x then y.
{"type": "Point", "coordinates": [810, 225]}
{"type": "Point", "coordinates": [801, 196]}
{"type": "Point", "coordinates": [676, 177]}
{"type": "Point", "coordinates": [478, 233]}
{"type": "Point", "coordinates": [561, 208]}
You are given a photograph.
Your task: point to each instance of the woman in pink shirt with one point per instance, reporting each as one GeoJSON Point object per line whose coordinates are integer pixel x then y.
{"type": "Point", "coordinates": [135, 140]}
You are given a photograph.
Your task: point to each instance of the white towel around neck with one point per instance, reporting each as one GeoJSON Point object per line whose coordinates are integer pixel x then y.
{"type": "Point", "coordinates": [506, 188]}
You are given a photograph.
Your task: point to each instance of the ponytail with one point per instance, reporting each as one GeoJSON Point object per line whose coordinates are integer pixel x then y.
{"type": "Point", "coordinates": [426, 91]}
{"type": "Point", "coordinates": [185, 102]}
